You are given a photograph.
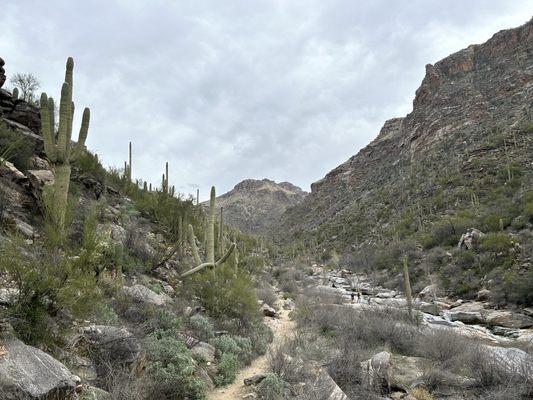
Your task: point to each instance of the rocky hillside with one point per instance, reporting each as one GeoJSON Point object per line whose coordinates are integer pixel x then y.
{"type": "Point", "coordinates": [253, 205]}
{"type": "Point", "coordinates": [469, 109]}
{"type": "Point", "coordinates": [461, 159]}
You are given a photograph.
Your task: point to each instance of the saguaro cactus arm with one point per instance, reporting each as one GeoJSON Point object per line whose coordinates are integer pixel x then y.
{"type": "Point", "coordinates": [200, 267]}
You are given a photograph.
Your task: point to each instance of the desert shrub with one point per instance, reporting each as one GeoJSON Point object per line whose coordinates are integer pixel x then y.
{"type": "Point", "coordinates": [527, 205]}
{"type": "Point", "coordinates": [271, 388]}
{"type": "Point", "coordinates": [284, 364]}
{"type": "Point", "coordinates": [202, 328]}
{"type": "Point", "coordinates": [47, 282]}
{"type": "Point", "coordinates": [421, 394]}
{"type": "Point", "coordinates": [260, 335]}
{"type": "Point", "coordinates": [121, 384]}
{"type": "Point", "coordinates": [225, 344]}
{"type": "Point", "coordinates": [345, 367]}
{"type": "Point", "coordinates": [15, 148]}
{"type": "Point", "coordinates": [227, 294]}
{"type": "Point", "coordinates": [266, 294]}
{"type": "Point", "coordinates": [496, 242]}
{"type": "Point", "coordinates": [88, 164]}
{"type": "Point", "coordinates": [491, 373]}
{"type": "Point", "coordinates": [443, 345]}
{"type": "Point", "coordinates": [227, 367]}
{"type": "Point", "coordinates": [172, 368]}
{"type": "Point", "coordinates": [246, 349]}
{"type": "Point", "coordinates": [163, 320]}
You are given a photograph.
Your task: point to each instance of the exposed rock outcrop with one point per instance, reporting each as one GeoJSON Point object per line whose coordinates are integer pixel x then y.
{"type": "Point", "coordinates": [461, 100]}
{"type": "Point", "coordinates": [27, 373]}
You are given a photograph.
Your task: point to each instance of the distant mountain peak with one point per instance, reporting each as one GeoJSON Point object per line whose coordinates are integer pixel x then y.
{"type": "Point", "coordinates": [254, 204]}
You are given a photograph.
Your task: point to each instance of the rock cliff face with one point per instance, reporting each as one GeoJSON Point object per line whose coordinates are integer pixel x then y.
{"type": "Point", "coordinates": [253, 205]}
{"type": "Point", "coordinates": [463, 102]}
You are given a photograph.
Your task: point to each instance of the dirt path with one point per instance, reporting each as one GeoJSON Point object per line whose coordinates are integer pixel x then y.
{"type": "Point", "coordinates": [282, 328]}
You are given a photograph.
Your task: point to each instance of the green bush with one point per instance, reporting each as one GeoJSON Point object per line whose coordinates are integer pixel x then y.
{"type": "Point", "coordinates": [202, 328]}
{"type": "Point", "coordinates": [496, 243]}
{"type": "Point", "coordinates": [226, 293]}
{"type": "Point", "coordinates": [227, 367]}
{"type": "Point", "coordinates": [47, 282]}
{"type": "Point", "coordinates": [246, 349]}
{"type": "Point", "coordinates": [15, 148]}
{"type": "Point", "coordinates": [172, 368]}
{"type": "Point", "coordinates": [260, 335]}
{"type": "Point", "coordinates": [225, 344]}
{"type": "Point", "coordinates": [271, 388]}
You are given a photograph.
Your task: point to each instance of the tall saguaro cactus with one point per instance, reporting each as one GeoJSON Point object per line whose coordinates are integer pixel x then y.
{"type": "Point", "coordinates": [407, 287]}
{"type": "Point", "coordinates": [210, 250]}
{"type": "Point", "coordinates": [211, 227]}
{"type": "Point", "coordinates": [57, 147]}
{"type": "Point", "coordinates": [221, 233]}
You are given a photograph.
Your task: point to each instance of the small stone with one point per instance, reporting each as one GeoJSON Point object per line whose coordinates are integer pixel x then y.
{"type": "Point", "coordinates": [254, 380]}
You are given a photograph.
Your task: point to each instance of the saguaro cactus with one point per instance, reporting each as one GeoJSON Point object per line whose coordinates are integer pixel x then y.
{"type": "Point", "coordinates": [211, 228]}
{"type": "Point", "coordinates": [210, 250]}
{"type": "Point", "coordinates": [407, 287]}
{"type": "Point", "coordinates": [164, 184]}
{"type": "Point", "coordinates": [221, 233]}
{"type": "Point", "coordinates": [58, 147]}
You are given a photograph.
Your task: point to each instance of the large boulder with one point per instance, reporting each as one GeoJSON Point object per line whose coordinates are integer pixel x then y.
{"type": "Point", "coordinates": [428, 308]}
{"type": "Point", "coordinates": [471, 239]}
{"type": "Point", "coordinates": [2, 72]}
{"type": "Point", "coordinates": [467, 313]}
{"type": "Point", "coordinates": [29, 373]}
{"type": "Point", "coordinates": [326, 387]}
{"type": "Point", "coordinates": [25, 114]}
{"type": "Point", "coordinates": [268, 311]}
{"type": "Point", "coordinates": [204, 351]}
{"type": "Point", "coordinates": [429, 293]}
{"type": "Point", "coordinates": [508, 319]}
{"type": "Point", "coordinates": [394, 371]}
{"type": "Point", "coordinates": [113, 344]}
{"type": "Point", "coordinates": [10, 172]}
{"type": "Point", "coordinates": [509, 359]}
{"type": "Point", "coordinates": [142, 294]}
{"type": "Point", "coordinates": [39, 178]}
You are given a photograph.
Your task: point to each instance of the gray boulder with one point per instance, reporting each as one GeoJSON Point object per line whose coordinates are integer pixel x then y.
{"type": "Point", "coordinates": [397, 372]}
{"type": "Point", "coordinates": [29, 373]}
{"type": "Point", "coordinates": [268, 311]}
{"type": "Point", "coordinates": [471, 239]}
{"type": "Point", "coordinates": [112, 343]}
{"type": "Point", "coordinates": [205, 351]}
{"type": "Point", "coordinates": [142, 294]}
{"type": "Point", "coordinates": [508, 319]}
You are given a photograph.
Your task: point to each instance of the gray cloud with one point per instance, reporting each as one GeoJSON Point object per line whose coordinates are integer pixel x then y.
{"type": "Point", "coordinates": [238, 89]}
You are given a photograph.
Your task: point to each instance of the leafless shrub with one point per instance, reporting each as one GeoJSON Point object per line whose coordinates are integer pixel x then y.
{"type": "Point", "coordinates": [444, 345]}
{"type": "Point", "coordinates": [288, 367]}
{"type": "Point", "coordinates": [137, 246]}
{"type": "Point", "coordinates": [122, 384]}
{"type": "Point", "coordinates": [266, 294]}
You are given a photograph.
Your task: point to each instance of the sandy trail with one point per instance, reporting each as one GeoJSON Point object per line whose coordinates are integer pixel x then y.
{"type": "Point", "coordinates": [282, 327]}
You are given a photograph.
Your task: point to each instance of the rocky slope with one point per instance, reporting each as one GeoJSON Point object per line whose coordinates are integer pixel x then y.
{"type": "Point", "coordinates": [253, 205]}
{"type": "Point", "coordinates": [470, 109]}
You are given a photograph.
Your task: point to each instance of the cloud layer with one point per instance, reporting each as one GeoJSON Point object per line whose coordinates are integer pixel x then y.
{"type": "Point", "coordinates": [228, 90]}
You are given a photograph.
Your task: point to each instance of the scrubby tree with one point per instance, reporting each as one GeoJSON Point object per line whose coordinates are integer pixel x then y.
{"type": "Point", "coordinates": [27, 85]}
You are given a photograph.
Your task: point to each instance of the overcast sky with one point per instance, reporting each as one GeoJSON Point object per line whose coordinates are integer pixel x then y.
{"type": "Point", "coordinates": [227, 90]}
